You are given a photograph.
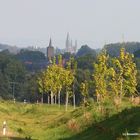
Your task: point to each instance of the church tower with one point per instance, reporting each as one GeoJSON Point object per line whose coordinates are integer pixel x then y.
{"type": "Point", "coordinates": [69, 45]}
{"type": "Point", "coordinates": [50, 50]}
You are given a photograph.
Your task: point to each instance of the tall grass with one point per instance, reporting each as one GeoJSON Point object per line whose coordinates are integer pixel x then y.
{"type": "Point", "coordinates": [49, 122]}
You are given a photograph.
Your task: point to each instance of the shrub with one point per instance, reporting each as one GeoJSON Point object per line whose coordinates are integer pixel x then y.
{"type": "Point", "coordinates": [20, 130]}
{"type": "Point", "coordinates": [73, 125]}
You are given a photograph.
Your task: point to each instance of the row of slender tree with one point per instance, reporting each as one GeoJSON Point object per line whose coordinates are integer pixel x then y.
{"type": "Point", "coordinates": [56, 78]}
{"type": "Point", "coordinates": [113, 77]}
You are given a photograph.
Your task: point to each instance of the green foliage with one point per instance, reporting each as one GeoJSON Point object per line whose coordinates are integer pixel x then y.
{"type": "Point", "coordinates": [11, 71]}
{"type": "Point", "coordinates": [5, 87]}
{"type": "Point", "coordinates": [84, 89]}
{"type": "Point", "coordinates": [60, 61]}
{"type": "Point", "coordinates": [33, 56]}
{"type": "Point", "coordinates": [115, 76]}
{"type": "Point", "coordinates": [128, 73]}
{"type": "Point", "coordinates": [100, 75]}
{"type": "Point", "coordinates": [67, 55]}
{"type": "Point", "coordinates": [85, 50]}
{"type": "Point", "coordinates": [55, 78]}
{"type": "Point", "coordinates": [86, 62]}
{"type": "Point", "coordinates": [137, 53]}
{"type": "Point", "coordinates": [32, 60]}
{"type": "Point", "coordinates": [30, 89]}
{"type": "Point", "coordinates": [114, 49]}
{"type": "Point", "coordinates": [138, 81]}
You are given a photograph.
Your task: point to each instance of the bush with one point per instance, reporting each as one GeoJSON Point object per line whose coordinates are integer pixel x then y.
{"type": "Point", "coordinates": [73, 125]}
{"type": "Point", "coordinates": [20, 130]}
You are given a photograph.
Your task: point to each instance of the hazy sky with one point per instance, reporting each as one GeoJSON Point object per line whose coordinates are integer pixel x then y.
{"type": "Point", "coordinates": [92, 22]}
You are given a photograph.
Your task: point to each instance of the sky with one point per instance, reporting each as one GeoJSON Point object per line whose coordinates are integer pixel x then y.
{"type": "Point", "coordinates": [92, 22]}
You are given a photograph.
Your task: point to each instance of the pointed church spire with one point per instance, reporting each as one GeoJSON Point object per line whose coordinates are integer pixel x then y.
{"type": "Point", "coordinates": [50, 43]}
{"type": "Point", "coordinates": [76, 43]}
{"type": "Point", "coordinates": [71, 43]}
{"type": "Point", "coordinates": [67, 42]}
{"type": "Point", "coordinates": [68, 36]}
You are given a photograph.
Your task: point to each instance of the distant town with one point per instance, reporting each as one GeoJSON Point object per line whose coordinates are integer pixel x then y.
{"type": "Point", "coordinates": [49, 51]}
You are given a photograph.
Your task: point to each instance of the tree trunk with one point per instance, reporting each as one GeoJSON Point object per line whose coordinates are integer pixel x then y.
{"type": "Point", "coordinates": [73, 100]}
{"type": "Point", "coordinates": [98, 98]}
{"type": "Point", "coordinates": [48, 99]}
{"type": "Point", "coordinates": [52, 100]}
{"type": "Point", "coordinates": [67, 100]}
{"type": "Point", "coordinates": [84, 101]}
{"type": "Point", "coordinates": [121, 90]}
{"type": "Point", "coordinates": [42, 98]}
{"type": "Point", "coordinates": [59, 98]}
{"type": "Point", "coordinates": [55, 101]}
{"type": "Point", "coordinates": [84, 106]}
{"type": "Point", "coordinates": [73, 97]}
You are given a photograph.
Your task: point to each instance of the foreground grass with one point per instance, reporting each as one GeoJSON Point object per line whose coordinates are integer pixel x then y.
{"type": "Point", "coordinates": [46, 122]}
{"type": "Point", "coordinates": [32, 120]}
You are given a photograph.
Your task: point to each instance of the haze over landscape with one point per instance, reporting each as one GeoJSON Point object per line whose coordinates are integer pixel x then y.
{"type": "Point", "coordinates": [92, 22]}
{"type": "Point", "coordinates": [63, 62]}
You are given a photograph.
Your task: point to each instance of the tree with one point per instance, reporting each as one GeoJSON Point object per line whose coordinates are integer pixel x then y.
{"type": "Point", "coordinates": [72, 66]}
{"type": "Point", "coordinates": [33, 56]}
{"type": "Point", "coordinates": [33, 60]}
{"type": "Point", "coordinates": [114, 81]}
{"type": "Point", "coordinates": [100, 76]}
{"type": "Point", "coordinates": [84, 91]}
{"type": "Point", "coordinates": [14, 73]}
{"type": "Point", "coordinates": [74, 81]}
{"type": "Point", "coordinates": [61, 77]}
{"type": "Point", "coordinates": [60, 61]}
{"type": "Point", "coordinates": [53, 81]}
{"type": "Point", "coordinates": [5, 88]}
{"type": "Point", "coordinates": [122, 76]}
{"type": "Point", "coordinates": [114, 49]}
{"type": "Point", "coordinates": [68, 80]}
{"type": "Point", "coordinates": [41, 84]}
{"type": "Point", "coordinates": [59, 82]}
{"type": "Point", "coordinates": [30, 90]}
{"type": "Point", "coordinates": [117, 76]}
{"type": "Point", "coordinates": [86, 62]}
{"type": "Point", "coordinates": [57, 78]}
{"type": "Point", "coordinates": [130, 72]}
{"type": "Point", "coordinates": [86, 50]}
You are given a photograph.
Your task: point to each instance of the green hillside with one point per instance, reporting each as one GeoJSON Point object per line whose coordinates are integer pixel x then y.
{"type": "Point", "coordinates": [112, 128]}
{"type": "Point", "coordinates": [114, 49]}
{"type": "Point", "coordinates": [46, 122]}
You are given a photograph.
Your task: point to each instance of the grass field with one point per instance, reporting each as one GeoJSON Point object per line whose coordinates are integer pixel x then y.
{"type": "Point", "coordinates": [47, 122]}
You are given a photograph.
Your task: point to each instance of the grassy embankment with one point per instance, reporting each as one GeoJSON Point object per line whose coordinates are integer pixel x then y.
{"type": "Point", "coordinates": [46, 122]}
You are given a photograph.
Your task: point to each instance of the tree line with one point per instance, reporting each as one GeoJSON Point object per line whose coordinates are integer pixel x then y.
{"type": "Point", "coordinates": [77, 81]}
{"type": "Point", "coordinates": [112, 77]}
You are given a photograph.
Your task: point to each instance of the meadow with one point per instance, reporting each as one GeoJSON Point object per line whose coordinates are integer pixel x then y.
{"type": "Point", "coordinates": [49, 122]}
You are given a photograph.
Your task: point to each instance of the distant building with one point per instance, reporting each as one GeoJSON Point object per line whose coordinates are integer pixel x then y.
{"type": "Point", "coordinates": [50, 50]}
{"type": "Point", "coordinates": [59, 51]}
{"type": "Point", "coordinates": [69, 45]}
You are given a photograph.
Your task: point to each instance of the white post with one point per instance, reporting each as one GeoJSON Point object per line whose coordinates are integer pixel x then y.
{"type": "Point", "coordinates": [4, 128]}
{"type": "Point", "coordinates": [14, 100]}
{"type": "Point", "coordinates": [37, 101]}
{"type": "Point", "coordinates": [24, 101]}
